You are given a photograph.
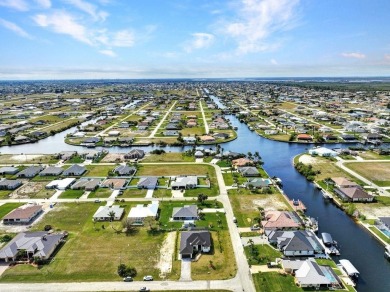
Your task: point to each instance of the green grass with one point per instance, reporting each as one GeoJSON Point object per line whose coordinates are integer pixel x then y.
{"type": "Point", "coordinates": [71, 194]}
{"type": "Point", "coordinates": [98, 170]}
{"type": "Point", "coordinates": [380, 234]}
{"type": "Point", "coordinates": [133, 193]}
{"type": "Point", "coordinates": [162, 193]}
{"type": "Point", "coordinates": [169, 157]}
{"type": "Point", "coordinates": [100, 193]}
{"type": "Point", "coordinates": [274, 282]}
{"type": "Point", "coordinates": [224, 163]}
{"type": "Point", "coordinates": [77, 259]}
{"type": "Point", "coordinates": [266, 253]}
{"type": "Point", "coordinates": [8, 207]}
{"type": "Point", "coordinates": [76, 159]}
{"type": "Point", "coordinates": [4, 194]}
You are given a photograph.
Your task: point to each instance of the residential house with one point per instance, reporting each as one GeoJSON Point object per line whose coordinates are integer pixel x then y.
{"type": "Point", "coordinates": [188, 212]}
{"type": "Point", "coordinates": [86, 184]}
{"type": "Point", "coordinates": [354, 194]}
{"type": "Point", "coordinates": [10, 184]}
{"type": "Point", "coordinates": [104, 213]}
{"type": "Point", "coordinates": [138, 214]}
{"type": "Point", "coordinates": [30, 171]}
{"type": "Point", "coordinates": [342, 182]}
{"type": "Point", "coordinates": [75, 170]}
{"type": "Point", "coordinates": [189, 140]}
{"type": "Point", "coordinates": [23, 215]}
{"type": "Point", "coordinates": [192, 242]}
{"type": "Point", "coordinates": [296, 243]}
{"type": "Point", "coordinates": [309, 274]}
{"type": "Point", "coordinates": [61, 184]}
{"type": "Point", "coordinates": [280, 220]}
{"type": "Point", "coordinates": [241, 162]}
{"type": "Point", "coordinates": [223, 136]}
{"type": "Point", "coordinates": [199, 154]}
{"type": "Point", "coordinates": [207, 139]}
{"type": "Point", "coordinates": [258, 183]}
{"type": "Point", "coordinates": [51, 171]}
{"type": "Point", "coordinates": [39, 244]}
{"type": "Point", "coordinates": [114, 183]}
{"type": "Point", "coordinates": [124, 170]}
{"type": "Point", "coordinates": [323, 151]}
{"type": "Point", "coordinates": [304, 137]}
{"type": "Point", "coordinates": [135, 154]}
{"type": "Point", "coordinates": [66, 155]}
{"type": "Point", "coordinates": [184, 182]}
{"type": "Point", "coordinates": [248, 171]}
{"type": "Point", "coordinates": [8, 170]}
{"type": "Point", "coordinates": [149, 182]}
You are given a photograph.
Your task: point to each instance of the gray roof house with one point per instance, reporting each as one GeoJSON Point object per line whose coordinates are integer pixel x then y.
{"type": "Point", "coordinates": [192, 242]}
{"type": "Point", "coordinates": [248, 171]}
{"type": "Point", "coordinates": [103, 213]}
{"type": "Point", "coordinates": [184, 182]}
{"type": "Point", "coordinates": [296, 242]}
{"type": "Point", "coordinates": [10, 184]}
{"type": "Point", "coordinates": [135, 153]}
{"type": "Point", "coordinates": [354, 194]}
{"type": "Point", "coordinates": [51, 170]}
{"type": "Point", "coordinates": [309, 274]}
{"type": "Point", "coordinates": [30, 171]}
{"type": "Point", "coordinates": [125, 170]}
{"type": "Point", "coordinates": [39, 244]}
{"type": "Point", "coordinates": [149, 182]}
{"type": "Point", "coordinates": [258, 182]}
{"type": "Point", "coordinates": [87, 184]}
{"type": "Point", "coordinates": [188, 212]}
{"type": "Point", "coordinates": [74, 170]}
{"type": "Point", "coordinates": [8, 170]}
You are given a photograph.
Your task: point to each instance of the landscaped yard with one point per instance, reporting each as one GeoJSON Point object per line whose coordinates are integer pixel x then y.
{"type": "Point", "coordinates": [223, 263]}
{"type": "Point", "coordinates": [133, 193]}
{"type": "Point", "coordinates": [91, 253]}
{"type": "Point", "coordinates": [377, 172]}
{"type": "Point", "coordinates": [101, 193]}
{"type": "Point", "coordinates": [274, 282]}
{"type": "Point", "coordinates": [71, 194]}
{"type": "Point", "coordinates": [261, 254]}
{"type": "Point", "coordinates": [98, 170]}
{"type": "Point", "coordinates": [8, 207]}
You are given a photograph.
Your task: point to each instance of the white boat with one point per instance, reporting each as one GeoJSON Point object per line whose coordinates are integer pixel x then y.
{"type": "Point", "coordinates": [387, 252]}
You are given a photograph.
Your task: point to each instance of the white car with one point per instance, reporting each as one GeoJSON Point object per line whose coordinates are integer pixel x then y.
{"type": "Point", "coordinates": [148, 278]}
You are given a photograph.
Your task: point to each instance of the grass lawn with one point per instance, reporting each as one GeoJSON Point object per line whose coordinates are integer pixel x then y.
{"type": "Point", "coordinates": [8, 207]}
{"type": "Point", "coordinates": [380, 234]}
{"type": "Point", "coordinates": [266, 253]}
{"type": "Point", "coordinates": [274, 282]}
{"type": "Point", "coordinates": [76, 159]}
{"type": "Point", "coordinates": [329, 169]}
{"type": "Point", "coordinates": [133, 193]}
{"type": "Point", "coordinates": [162, 193]}
{"type": "Point", "coordinates": [77, 259]}
{"type": "Point", "coordinates": [4, 194]}
{"type": "Point", "coordinates": [71, 194]}
{"type": "Point", "coordinates": [377, 172]}
{"type": "Point", "coordinates": [169, 157]}
{"type": "Point", "coordinates": [221, 255]}
{"type": "Point", "coordinates": [224, 163]}
{"type": "Point", "coordinates": [98, 170]}
{"type": "Point", "coordinates": [370, 155]}
{"type": "Point", "coordinates": [101, 193]}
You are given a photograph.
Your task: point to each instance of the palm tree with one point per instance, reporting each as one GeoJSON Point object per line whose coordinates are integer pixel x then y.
{"type": "Point", "coordinates": [111, 215]}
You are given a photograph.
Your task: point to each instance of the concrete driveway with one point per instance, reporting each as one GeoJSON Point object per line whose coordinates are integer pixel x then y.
{"type": "Point", "coordinates": [185, 270]}
{"type": "Point", "coordinates": [3, 267]}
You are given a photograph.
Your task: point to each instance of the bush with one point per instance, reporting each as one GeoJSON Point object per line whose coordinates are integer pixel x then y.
{"type": "Point", "coordinates": [126, 271]}
{"type": "Point", "coordinates": [47, 228]}
{"type": "Point", "coordinates": [6, 238]}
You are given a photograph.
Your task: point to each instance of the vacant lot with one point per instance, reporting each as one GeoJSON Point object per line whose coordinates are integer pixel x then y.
{"type": "Point", "coordinates": [91, 253]}
{"type": "Point", "coordinates": [275, 282]}
{"type": "Point", "coordinates": [34, 190]}
{"type": "Point", "coordinates": [26, 158]}
{"type": "Point", "coordinates": [99, 170]}
{"type": "Point", "coordinates": [377, 172]}
{"type": "Point", "coordinates": [245, 207]}
{"type": "Point", "coordinates": [169, 157]}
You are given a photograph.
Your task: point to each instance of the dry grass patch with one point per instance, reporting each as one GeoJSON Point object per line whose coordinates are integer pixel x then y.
{"type": "Point", "coordinates": [32, 190]}
{"type": "Point", "coordinates": [169, 157]}
{"type": "Point", "coordinates": [377, 172]}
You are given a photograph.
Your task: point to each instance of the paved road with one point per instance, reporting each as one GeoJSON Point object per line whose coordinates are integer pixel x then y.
{"type": "Point", "coordinates": [161, 122]}
{"type": "Point", "coordinates": [206, 125]}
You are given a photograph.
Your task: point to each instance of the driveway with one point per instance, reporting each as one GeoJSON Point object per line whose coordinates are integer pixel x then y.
{"type": "Point", "coordinates": [149, 194]}
{"type": "Point", "coordinates": [177, 194]}
{"type": "Point", "coordinates": [185, 270]}
{"type": "Point", "coordinates": [3, 267]}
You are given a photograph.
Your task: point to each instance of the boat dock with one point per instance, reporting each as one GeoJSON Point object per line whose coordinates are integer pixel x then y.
{"type": "Point", "coordinates": [297, 205]}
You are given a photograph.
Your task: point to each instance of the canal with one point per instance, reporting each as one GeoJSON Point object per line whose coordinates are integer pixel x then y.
{"type": "Point", "coordinates": [357, 245]}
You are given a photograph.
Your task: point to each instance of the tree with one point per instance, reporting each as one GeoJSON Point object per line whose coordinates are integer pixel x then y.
{"type": "Point", "coordinates": [111, 214]}
{"type": "Point", "coordinates": [202, 198]}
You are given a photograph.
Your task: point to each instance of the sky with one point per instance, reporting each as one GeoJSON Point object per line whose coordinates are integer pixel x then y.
{"type": "Point", "coordinates": [109, 39]}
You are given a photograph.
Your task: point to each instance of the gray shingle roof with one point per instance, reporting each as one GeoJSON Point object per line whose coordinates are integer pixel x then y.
{"type": "Point", "coordinates": [190, 238]}
{"type": "Point", "coordinates": [186, 211]}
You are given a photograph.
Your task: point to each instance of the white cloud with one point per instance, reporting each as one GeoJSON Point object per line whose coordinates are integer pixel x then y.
{"type": "Point", "coordinates": [20, 5]}
{"type": "Point", "coordinates": [354, 55]}
{"type": "Point", "coordinates": [63, 23]}
{"type": "Point", "coordinates": [15, 28]}
{"type": "Point", "coordinates": [274, 62]}
{"type": "Point", "coordinates": [387, 57]}
{"type": "Point", "coordinates": [92, 10]}
{"type": "Point", "coordinates": [123, 38]}
{"type": "Point", "coordinates": [258, 20]}
{"type": "Point", "coordinates": [44, 3]}
{"type": "Point", "coordinates": [108, 53]}
{"type": "Point", "coordinates": [199, 40]}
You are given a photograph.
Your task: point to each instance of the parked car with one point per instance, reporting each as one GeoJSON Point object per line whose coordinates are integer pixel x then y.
{"type": "Point", "coordinates": [128, 279]}
{"type": "Point", "coordinates": [97, 201]}
{"type": "Point", "coordinates": [144, 289]}
{"type": "Point", "coordinates": [148, 278]}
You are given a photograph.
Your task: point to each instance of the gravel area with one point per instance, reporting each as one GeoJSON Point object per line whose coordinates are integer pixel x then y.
{"type": "Point", "coordinates": [166, 254]}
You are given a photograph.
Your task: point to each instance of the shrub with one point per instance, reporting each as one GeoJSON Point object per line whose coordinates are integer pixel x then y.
{"type": "Point", "coordinates": [126, 271]}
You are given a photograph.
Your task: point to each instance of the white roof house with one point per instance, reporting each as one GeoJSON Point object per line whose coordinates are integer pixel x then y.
{"type": "Point", "coordinates": [140, 212]}
{"type": "Point", "coordinates": [322, 151]}
{"type": "Point", "coordinates": [103, 213]}
{"type": "Point", "coordinates": [61, 184]}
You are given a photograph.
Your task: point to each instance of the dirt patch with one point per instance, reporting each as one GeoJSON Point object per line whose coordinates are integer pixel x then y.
{"type": "Point", "coordinates": [373, 212]}
{"type": "Point", "coordinates": [374, 171]}
{"type": "Point", "coordinates": [307, 159]}
{"type": "Point", "coordinates": [25, 157]}
{"type": "Point", "coordinates": [114, 157]}
{"type": "Point", "coordinates": [166, 254]}
{"type": "Point", "coordinates": [28, 190]}
{"type": "Point", "coordinates": [269, 203]}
